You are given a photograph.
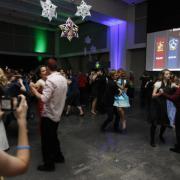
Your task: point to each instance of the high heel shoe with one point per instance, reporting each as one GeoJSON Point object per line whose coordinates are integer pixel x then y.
{"type": "Point", "coordinates": [81, 114]}
{"type": "Point", "coordinates": [162, 139]}
{"type": "Point", "coordinates": [93, 112]}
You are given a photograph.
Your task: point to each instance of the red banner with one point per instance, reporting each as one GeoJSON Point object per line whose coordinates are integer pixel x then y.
{"type": "Point", "coordinates": [160, 50]}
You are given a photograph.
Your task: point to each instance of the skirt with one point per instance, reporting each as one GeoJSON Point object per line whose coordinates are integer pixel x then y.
{"type": "Point", "coordinates": [157, 113]}
{"type": "Point", "coordinates": [122, 101]}
{"type": "Point", "coordinates": [3, 138]}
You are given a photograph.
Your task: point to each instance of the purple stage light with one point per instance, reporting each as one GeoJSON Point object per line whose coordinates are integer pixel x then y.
{"type": "Point", "coordinates": [117, 43]}
{"type": "Point", "coordinates": [116, 38]}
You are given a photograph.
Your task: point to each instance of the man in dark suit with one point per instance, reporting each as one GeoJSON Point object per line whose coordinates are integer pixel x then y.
{"type": "Point", "coordinates": [110, 91]}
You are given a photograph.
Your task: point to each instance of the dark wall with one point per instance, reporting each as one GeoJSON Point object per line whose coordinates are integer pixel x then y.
{"type": "Point", "coordinates": [162, 15]}
{"type": "Point", "coordinates": [140, 22]}
{"type": "Point", "coordinates": [22, 39]}
{"type": "Point", "coordinates": [85, 63]}
{"type": "Point", "coordinates": [26, 63]}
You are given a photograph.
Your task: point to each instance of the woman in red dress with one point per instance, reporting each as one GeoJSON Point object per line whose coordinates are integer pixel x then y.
{"type": "Point", "coordinates": [39, 85]}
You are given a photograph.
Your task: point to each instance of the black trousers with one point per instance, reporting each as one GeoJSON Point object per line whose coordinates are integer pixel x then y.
{"type": "Point", "coordinates": [153, 132]}
{"type": "Point", "coordinates": [50, 144]}
{"type": "Point", "coordinates": [111, 111]}
{"type": "Point", "coordinates": [177, 124]}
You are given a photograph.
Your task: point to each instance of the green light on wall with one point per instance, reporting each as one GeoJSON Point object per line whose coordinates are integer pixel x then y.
{"type": "Point", "coordinates": [97, 65]}
{"type": "Point", "coordinates": [40, 41]}
{"type": "Point", "coordinates": [39, 58]}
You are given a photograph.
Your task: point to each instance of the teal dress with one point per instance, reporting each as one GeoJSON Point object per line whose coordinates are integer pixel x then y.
{"type": "Point", "coordinates": [121, 100]}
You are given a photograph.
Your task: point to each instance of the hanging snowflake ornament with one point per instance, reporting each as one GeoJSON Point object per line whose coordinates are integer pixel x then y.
{"type": "Point", "coordinates": [93, 49]}
{"type": "Point", "coordinates": [87, 40]}
{"type": "Point", "coordinates": [69, 30]}
{"type": "Point", "coordinates": [49, 9]}
{"type": "Point", "coordinates": [83, 10]}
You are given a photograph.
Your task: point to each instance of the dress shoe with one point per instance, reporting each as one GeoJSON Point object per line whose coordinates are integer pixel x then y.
{"type": "Point", "coordinates": [46, 167]}
{"type": "Point", "coordinates": [176, 150]}
{"type": "Point", "coordinates": [177, 146]}
{"type": "Point", "coordinates": [60, 160]}
{"type": "Point", "coordinates": [152, 144]}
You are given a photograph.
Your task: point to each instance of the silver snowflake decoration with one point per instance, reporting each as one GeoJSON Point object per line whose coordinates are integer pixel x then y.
{"type": "Point", "coordinates": [93, 49]}
{"type": "Point", "coordinates": [87, 40]}
{"type": "Point", "coordinates": [69, 30]}
{"type": "Point", "coordinates": [49, 9]}
{"type": "Point", "coordinates": [83, 10]}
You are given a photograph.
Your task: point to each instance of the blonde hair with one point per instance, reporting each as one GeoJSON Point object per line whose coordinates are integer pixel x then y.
{"type": "Point", "coordinates": [121, 73]}
{"type": "Point", "coordinates": [3, 78]}
{"type": "Point", "coordinates": [112, 73]}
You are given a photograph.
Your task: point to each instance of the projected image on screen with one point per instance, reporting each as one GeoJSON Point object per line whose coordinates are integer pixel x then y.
{"type": "Point", "coordinates": [163, 50]}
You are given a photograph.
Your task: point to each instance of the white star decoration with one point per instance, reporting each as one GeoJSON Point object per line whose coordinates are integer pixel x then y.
{"type": "Point", "coordinates": [49, 9]}
{"type": "Point", "coordinates": [69, 29]}
{"type": "Point", "coordinates": [83, 10]}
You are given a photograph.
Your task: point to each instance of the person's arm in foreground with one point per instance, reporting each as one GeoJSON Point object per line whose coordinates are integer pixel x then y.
{"type": "Point", "coordinates": [174, 97]}
{"type": "Point", "coordinates": [47, 92]}
{"type": "Point", "coordinates": [15, 165]}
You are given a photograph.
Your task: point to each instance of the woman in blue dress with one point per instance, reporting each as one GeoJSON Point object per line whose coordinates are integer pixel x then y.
{"type": "Point", "coordinates": [122, 101]}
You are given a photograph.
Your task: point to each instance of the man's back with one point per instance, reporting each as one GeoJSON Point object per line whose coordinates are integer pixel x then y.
{"type": "Point", "coordinates": [54, 96]}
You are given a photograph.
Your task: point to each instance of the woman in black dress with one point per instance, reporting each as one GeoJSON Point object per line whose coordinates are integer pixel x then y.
{"type": "Point", "coordinates": [158, 109]}
{"type": "Point", "coordinates": [73, 96]}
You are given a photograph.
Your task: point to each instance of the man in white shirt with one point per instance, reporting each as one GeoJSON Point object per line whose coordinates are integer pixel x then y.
{"type": "Point", "coordinates": [53, 96]}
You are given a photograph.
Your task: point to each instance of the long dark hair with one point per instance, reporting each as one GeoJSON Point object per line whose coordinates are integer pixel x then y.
{"type": "Point", "coordinates": [39, 70]}
{"type": "Point", "coordinates": [161, 76]}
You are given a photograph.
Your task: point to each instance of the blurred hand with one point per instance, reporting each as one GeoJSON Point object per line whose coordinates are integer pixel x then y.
{"type": "Point", "coordinates": [120, 91]}
{"type": "Point", "coordinates": [20, 81]}
{"type": "Point", "coordinates": [1, 114]}
{"type": "Point", "coordinates": [21, 110]}
{"type": "Point", "coordinates": [33, 88]}
{"type": "Point", "coordinates": [159, 94]}
{"type": "Point", "coordinates": [31, 84]}
{"type": "Point", "coordinates": [161, 91]}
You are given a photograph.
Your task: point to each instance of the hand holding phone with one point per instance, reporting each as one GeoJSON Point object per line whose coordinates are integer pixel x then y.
{"type": "Point", "coordinates": [21, 110]}
{"type": "Point", "coordinates": [9, 104]}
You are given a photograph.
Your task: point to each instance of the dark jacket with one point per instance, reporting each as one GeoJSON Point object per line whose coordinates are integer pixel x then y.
{"type": "Point", "coordinates": [110, 91]}
{"type": "Point", "coordinates": [175, 98]}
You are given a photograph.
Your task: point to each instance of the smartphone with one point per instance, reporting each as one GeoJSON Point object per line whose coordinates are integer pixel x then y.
{"type": "Point", "coordinates": [8, 103]}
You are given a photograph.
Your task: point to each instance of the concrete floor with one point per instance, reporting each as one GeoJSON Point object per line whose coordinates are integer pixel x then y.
{"type": "Point", "coordinates": [92, 155]}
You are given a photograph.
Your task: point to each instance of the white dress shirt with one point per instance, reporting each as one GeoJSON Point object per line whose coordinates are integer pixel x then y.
{"type": "Point", "coordinates": [54, 96]}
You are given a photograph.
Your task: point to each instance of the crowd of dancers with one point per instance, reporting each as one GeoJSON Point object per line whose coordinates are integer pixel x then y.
{"type": "Point", "coordinates": [56, 92]}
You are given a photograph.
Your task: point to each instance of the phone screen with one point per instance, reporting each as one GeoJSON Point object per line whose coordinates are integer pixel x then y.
{"type": "Point", "coordinates": [6, 104]}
